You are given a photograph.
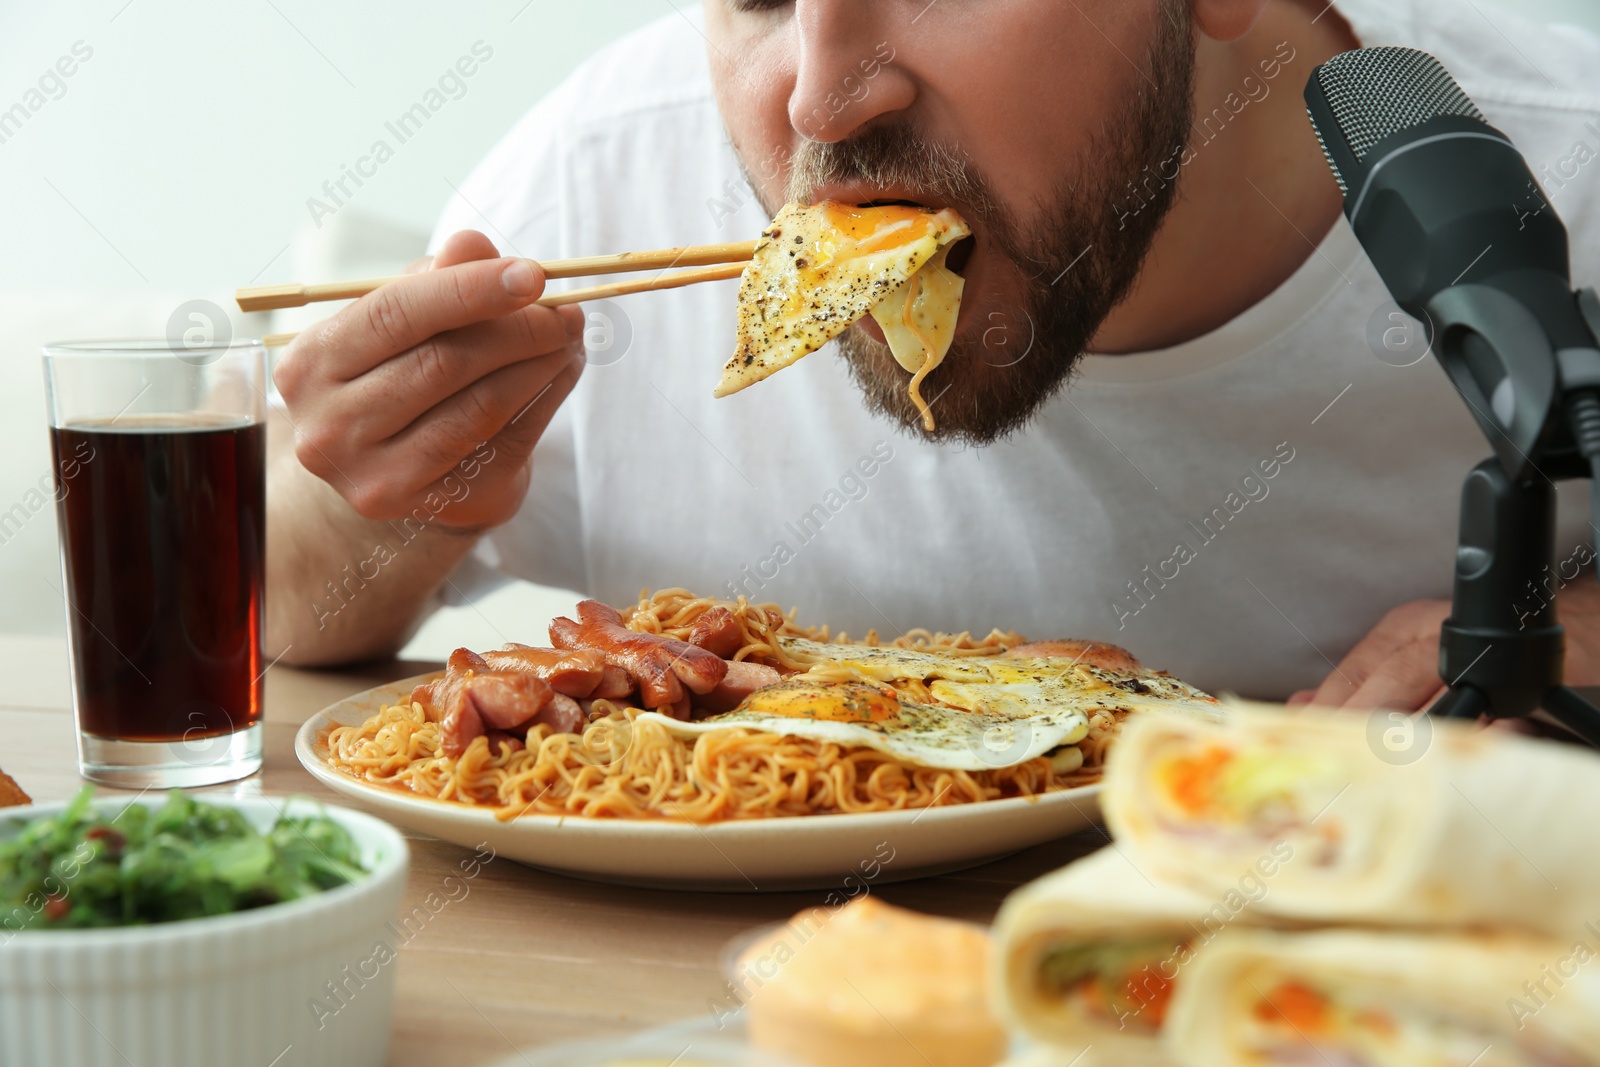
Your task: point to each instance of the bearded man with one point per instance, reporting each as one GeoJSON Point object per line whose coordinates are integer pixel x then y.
{"type": "Point", "coordinates": [1181, 412]}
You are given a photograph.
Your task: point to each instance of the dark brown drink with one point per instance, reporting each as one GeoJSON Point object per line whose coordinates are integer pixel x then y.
{"type": "Point", "coordinates": [163, 525]}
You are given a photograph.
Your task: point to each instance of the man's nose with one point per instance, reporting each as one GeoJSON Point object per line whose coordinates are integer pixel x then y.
{"type": "Point", "coordinates": [846, 74]}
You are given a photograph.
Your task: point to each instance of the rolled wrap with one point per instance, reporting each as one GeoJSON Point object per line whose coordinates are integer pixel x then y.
{"type": "Point", "coordinates": [1098, 902]}
{"type": "Point", "coordinates": [1387, 999]}
{"type": "Point", "coordinates": [1478, 828]}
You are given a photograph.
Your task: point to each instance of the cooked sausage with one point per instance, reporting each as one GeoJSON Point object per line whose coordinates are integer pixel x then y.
{"type": "Point", "coordinates": [424, 694]}
{"type": "Point", "coordinates": [1095, 653]}
{"type": "Point", "coordinates": [563, 715]}
{"type": "Point", "coordinates": [614, 684]}
{"type": "Point", "coordinates": [507, 699]}
{"type": "Point", "coordinates": [436, 696]}
{"type": "Point", "coordinates": [662, 666]}
{"type": "Point", "coordinates": [440, 695]}
{"type": "Point", "coordinates": [464, 659]}
{"type": "Point", "coordinates": [655, 681]}
{"type": "Point", "coordinates": [471, 698]}
{"type": "Point", "coordinates": [718, 632]}
{"type": "Point", "coordinates": [575, 672]}
{"type": "Point", "coordinates": [741, 680]}
{"type": "Point", "coordinates": [501, 737]}
{"type": "Point", "coordinates": [459, 721]}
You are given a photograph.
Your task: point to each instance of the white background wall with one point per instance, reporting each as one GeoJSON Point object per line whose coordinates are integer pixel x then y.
{"type": "Point", "coordinates": [194, 136]}
{"type": "Point", "coordinates": [178, 159]}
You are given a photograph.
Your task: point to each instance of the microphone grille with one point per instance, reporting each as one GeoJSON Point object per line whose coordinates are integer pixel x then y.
{"type": "Point", "coordinates": [1377, 92]}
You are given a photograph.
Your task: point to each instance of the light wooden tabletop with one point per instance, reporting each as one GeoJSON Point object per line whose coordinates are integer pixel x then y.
{"type": "Point", "coordinates": [527, 958]}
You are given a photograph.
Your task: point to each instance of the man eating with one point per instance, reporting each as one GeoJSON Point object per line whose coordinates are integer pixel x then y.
{"type": "Point", "coordinates": [1181, 412]}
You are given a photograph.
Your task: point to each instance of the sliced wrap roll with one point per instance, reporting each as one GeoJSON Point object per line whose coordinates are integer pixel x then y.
{"type": "Point", "coordinates": [1477, 828]}
{"type": "Point", "coordinates": [1352, 998]}
{"type": "Point", "coordinates": [1091, 954]}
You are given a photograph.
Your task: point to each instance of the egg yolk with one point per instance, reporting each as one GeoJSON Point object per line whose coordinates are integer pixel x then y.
{"type": "Point", "coordinates": [837, 702]}
{"type": "Point", "coordinates": [875, 225]}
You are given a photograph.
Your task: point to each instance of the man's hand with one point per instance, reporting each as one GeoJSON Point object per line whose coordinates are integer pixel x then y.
{"type": "Point", "coordinates": [1397, 664]}
{"type": "Point", "coordinates": [398, 390]}
{"type": "Point", "coordinates": [421, 402]}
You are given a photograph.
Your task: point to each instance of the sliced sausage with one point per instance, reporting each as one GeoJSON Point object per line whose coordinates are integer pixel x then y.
{"type": "Point", "coordinates": [436, 695]}
{"type": "Point", "coordinates": [615, 684]}
{"type": "Point", "coordinates": [563, 715]}
{"type": "Point", "coordinates": [501, 737]}
{"type": "Point", "coordinates": [1095, 653]}
{"type": "Point", "coordinates": [741, 680]}
{"type": "Point", "coordinates": [464, 659]}
{"type": "Point", "coordinates": [662, 666]}
{"type": "Point", "coordinates": [718, 632]}
{"type": "Point", "coordinates": [575, 672]}
{"type": "Point", "coordinates": [506, 699]}
{"type": "Point", "coordinates": [459, 721]}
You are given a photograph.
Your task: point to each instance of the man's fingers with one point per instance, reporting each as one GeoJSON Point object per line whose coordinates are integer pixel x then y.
{"type": "Point", "coordinates": [1409, 622]}
{"type": "Point", "coordinates": [393, 395]}
{"type": "Point", "coordinates": [509, 454]}
{"type": "Point", "coordinates": [415, 381]}
{"type": "Point", "coordinates": [1301, 698]}
{"type": "Point", "coordinates": [483, 411]}
{"type": "Point", "coordinates": [528, 425]}
{"type": "Point", "coordinates": [463, 246]}
{"type": "Point", "coordinates": [1368, 655]}
{"type": "Point", "coordinates": [1335, 689]}
{"type": "Point", "coordinates": [1405, 681]}
{"type": "Point", "coordinates": [573, 318]}
{"type": "Point", "coordinates": [411, 309]}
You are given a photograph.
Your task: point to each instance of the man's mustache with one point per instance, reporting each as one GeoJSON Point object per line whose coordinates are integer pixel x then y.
{"type": "Point", "coordinates": [893, 156]}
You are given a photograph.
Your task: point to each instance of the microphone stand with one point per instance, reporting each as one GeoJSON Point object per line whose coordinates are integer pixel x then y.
{"type": "Point", "coordinates": [1498, 661]}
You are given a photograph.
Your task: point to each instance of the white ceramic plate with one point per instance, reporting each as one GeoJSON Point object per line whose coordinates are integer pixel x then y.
{"type": "Point", "coordinates": [758, 855]}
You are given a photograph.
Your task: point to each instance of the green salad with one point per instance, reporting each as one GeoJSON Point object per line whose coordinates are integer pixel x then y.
{"type": "Point", "coordinates": [185, 859]}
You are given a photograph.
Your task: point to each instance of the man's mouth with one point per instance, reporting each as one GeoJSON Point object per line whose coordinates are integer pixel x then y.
{"type": "Point", "coordinates": [958, 259]}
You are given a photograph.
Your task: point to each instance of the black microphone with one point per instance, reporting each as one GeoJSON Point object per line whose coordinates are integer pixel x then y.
{"type": "Point", "coordinates": [1450, 215]}
{"type": "Point", "coordinates": [1452, 218]}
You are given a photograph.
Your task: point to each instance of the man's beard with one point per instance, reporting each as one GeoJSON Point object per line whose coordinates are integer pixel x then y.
{"type": "Point", "coordinates": [1077, 260]}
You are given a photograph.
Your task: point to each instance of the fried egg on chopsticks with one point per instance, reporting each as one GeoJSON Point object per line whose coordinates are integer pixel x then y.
{"type": "Point", "coordinates": [818, 269]}
{"type": "Point", "coordinates": [957, 712]}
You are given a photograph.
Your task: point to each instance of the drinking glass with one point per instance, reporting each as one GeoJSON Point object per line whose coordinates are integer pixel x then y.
{"type": "Point", "coordinates": [160, 474]}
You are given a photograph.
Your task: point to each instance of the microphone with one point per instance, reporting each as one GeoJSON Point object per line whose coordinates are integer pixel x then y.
{"type": "Point", "coordinates": [1440, 201]}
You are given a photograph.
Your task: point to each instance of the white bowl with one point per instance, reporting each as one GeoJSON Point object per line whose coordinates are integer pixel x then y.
{"type": "Point", "coordinates": [300, 984]}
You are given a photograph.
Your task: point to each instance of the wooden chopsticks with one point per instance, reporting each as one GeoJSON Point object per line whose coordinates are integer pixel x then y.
{"type": "Point", "coordinates": [273, 297]}
{"type": "Point", "coordinates": [674, 280]}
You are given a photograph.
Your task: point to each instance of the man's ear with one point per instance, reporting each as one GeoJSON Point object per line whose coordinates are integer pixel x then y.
{"type": "Point", "coordinates": [1226, 20]}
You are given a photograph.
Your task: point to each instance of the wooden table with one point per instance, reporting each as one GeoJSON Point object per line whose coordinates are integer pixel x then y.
{"type": "Point", "coordinates": [527, 958]}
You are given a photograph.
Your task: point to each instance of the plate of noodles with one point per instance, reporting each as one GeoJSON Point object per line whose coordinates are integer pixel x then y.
{"type": "Point", "coordinates": [695, 743]}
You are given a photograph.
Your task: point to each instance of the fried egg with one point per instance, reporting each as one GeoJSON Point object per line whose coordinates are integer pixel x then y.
{"type": "Point", "coordinates": [956, 712]}
{"type": "Point", "coordinates": [818, 269]}
{"type": "Point", "coordinates": [919, 321]}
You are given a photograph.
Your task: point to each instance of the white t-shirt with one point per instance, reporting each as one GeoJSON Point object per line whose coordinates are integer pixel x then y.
{"type": "Point", "coordinates": [1240, 509]}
